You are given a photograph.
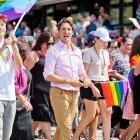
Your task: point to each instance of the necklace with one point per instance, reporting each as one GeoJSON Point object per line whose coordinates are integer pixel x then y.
{"type": "Point", "coordinates": [102, 63]}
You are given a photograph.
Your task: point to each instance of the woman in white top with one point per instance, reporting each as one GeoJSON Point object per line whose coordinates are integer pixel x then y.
{"type": "Point", "coordinates": [96, 61]}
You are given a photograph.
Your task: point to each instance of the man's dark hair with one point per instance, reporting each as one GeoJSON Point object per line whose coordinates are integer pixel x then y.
{"type": "Point", "coordinates": [65, 20]}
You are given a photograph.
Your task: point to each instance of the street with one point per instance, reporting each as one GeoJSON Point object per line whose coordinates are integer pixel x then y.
{"type": "Point", "coordinates": [99, 134]}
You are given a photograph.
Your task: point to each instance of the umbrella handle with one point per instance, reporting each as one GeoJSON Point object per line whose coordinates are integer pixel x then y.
{"type": "Point", "coordinates": [19, 21]}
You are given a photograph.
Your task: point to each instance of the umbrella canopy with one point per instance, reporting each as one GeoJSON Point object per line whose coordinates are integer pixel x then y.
{"type": "Point", "coordinates": [15, 8]}
{"type": "Point", "coordinates": [2, 1]}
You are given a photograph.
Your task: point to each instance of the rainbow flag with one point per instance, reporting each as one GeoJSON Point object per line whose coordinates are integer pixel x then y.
{"type": "Point", "coordinates": [114, 92]}
{"type": "Point", "coordinates": [14, 8]}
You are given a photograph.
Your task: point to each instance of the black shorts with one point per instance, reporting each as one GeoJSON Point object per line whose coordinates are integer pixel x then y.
{"type": "Point", "coordinates": [86, 93]}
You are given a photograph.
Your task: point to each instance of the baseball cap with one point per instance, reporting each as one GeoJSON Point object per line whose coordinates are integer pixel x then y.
{"type": "Point", "coordinates": [90, 36]}
{"type": "Point", "coordinates": [103, 34]}
{"type": "Point", "coordinates": [3, 17]}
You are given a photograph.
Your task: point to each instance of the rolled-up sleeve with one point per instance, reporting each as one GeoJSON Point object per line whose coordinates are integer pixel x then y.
{"type": "Point", "coordinates": [50, 61]}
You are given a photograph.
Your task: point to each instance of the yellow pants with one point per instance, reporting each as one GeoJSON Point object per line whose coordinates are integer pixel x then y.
{"type": "Point", "coordinates": [64, 104]}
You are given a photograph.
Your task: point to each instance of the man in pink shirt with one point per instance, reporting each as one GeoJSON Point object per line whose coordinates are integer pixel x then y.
{"type": "Point", "coordinates": [64, 69]}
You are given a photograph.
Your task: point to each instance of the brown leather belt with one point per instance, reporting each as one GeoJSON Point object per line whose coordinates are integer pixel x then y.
{"type": "Point", "coordinates": [69, 91]}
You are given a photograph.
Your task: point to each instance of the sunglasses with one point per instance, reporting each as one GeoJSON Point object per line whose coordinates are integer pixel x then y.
{"type": "Point", "coordinates": [115, 47]}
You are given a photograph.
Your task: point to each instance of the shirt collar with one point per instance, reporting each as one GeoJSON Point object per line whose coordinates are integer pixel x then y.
{"type": "Point", "coordinates": [62, 44]}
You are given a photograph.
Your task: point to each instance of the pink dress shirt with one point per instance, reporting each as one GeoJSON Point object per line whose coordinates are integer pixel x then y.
{"type": "Point", "coordinates": [64, 64]}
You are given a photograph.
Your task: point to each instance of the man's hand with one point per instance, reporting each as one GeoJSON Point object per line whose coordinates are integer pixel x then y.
{"type": "Point", "coordinates": [86, 82]}
{"type": "Point", "coordinates": [112, 73]}
{"type": "Point", "coordinates": [75, 83]}
{"type": "Point", "coordinates": [27, 106]}
{"type": "Point", "coordinates": [95, 90]}
{"type": "Point", "coordinates": [8, 41]}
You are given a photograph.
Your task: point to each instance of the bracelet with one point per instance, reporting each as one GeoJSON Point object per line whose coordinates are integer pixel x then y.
{"type": "Point", "coordinates": [66, 81]}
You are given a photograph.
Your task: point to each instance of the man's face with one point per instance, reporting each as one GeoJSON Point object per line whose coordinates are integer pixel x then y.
{"type": "Point", "coordinates": [65, 32]}
{"type": "Point", "coordinates": [2, 28]}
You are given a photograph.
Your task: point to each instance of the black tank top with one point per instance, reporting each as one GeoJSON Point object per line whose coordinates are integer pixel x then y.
{"type": "Point", "coordinates": [37, 72]}
{"type": "Point", "coordinates": [29, 79]}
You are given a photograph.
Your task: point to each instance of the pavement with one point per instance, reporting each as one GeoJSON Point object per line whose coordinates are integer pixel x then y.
{"type": "Point", "coordinates": [99, 135]}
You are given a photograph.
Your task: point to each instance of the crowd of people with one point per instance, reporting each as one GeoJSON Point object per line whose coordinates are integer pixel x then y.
{"type": "Point", "coordinates": [54, 76]}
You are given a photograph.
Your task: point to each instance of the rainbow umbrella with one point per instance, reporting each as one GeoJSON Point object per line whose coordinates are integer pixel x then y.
{"type": "Point", "coordinates": [15, 8]}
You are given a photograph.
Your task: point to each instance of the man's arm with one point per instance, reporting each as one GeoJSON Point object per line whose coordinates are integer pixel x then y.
{"type": "Point", "coordinates": [61, 80]}
{"type": "Point", "coordinates": [17, 58]}
{"type": "Point", "coordinates": [49, 69]}
{"type": "Point", "coordinates": [57, 79]}
{"type": "Point", "coordinates": [116, 75]}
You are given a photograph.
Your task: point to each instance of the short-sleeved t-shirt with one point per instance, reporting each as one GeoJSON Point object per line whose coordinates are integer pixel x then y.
{"type": "Point", "coordinates": [7, 72]}
{"type": "Point", "coordinates": [120, 63]}
{"type": "Point", "coordinates": [95, 71]}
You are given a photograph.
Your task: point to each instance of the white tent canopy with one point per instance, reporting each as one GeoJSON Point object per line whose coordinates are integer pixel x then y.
{"type": "Point", "coordinates": [48, 2]}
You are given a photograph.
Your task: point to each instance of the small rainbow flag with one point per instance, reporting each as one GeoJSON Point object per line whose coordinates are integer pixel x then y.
{"type": "Point", "coordinates": [114, 92]}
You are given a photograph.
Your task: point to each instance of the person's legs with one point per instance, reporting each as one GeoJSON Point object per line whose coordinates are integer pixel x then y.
{"type": "Point", "coordinates": [1, 119]}
{"type": "Point", "coordinates": [35, 124]}
{"type": "Point", "coordinates": [74, 106]}
{"type": "Point", "coordinates": [75, 122]}
{"type": "Point", "coordinates": [64, 105]}
{"type": "Point", "coordinates": [124, 133]}
{"type": "Point", "coordinates": [138, 137]}
{"type": "Point", "coordinates": [8, 118]}
{"type": "Point", "coordinates": [124, 124]}
{"type": "Point", "coordinates": [93, 126]}
{"type": "Point", "coordinates": [90, 108]}
{"type": "Point", "coordinates": [46, 127]}
{"type": "Point", "coordinates": [116, 116]}
{"type": "Point", "coordinates": [22, 129]}
{"type": "Point", "coordinates": [134, 127]}
{"type": "Point", "coordinates": [106, 118]}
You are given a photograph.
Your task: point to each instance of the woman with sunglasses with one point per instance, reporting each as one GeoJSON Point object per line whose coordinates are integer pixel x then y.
{"type": "Point", "coordinates": [42, 112]}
